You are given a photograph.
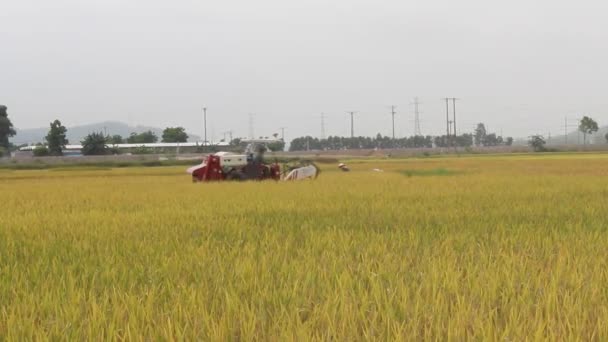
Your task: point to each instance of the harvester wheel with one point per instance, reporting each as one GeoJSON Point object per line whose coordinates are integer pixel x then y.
{"type": "Point", "coordinates": [266, 173]}
{"type": "Point", "coordinates": [235, 176]}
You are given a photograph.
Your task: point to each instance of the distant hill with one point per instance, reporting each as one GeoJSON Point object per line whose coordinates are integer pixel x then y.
{"type": "Point", "coordinates": [77, 133]}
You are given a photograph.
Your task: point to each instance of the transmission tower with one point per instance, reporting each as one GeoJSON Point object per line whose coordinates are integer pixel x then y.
{"type": "Point", "coordinates": [251, 132]}
{"type": "Point", "coordinates": [417, 130]}
{"type": "Point", "coordinates": [393, 116]}
{"type": "Point", "coordinates": [322, 126]}
{"type": "Point", "coordinates": [229, 135]}
{"type": "Point", "coordinates": [566, 132]}
{"type": "Point", "coordinates": [569, 124]}
{"type": "Point", "coordinates": [352, 124]}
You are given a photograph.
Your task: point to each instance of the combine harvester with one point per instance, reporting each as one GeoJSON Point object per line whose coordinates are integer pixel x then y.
{"type": "Point", "coordinates": [249, 166]}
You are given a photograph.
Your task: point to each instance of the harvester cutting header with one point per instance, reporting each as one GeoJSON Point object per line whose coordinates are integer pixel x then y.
{"type": "Point", "coordinates": [249, 166]}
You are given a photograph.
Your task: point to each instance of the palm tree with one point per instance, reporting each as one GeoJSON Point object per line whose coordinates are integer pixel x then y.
{"type": "Point", "coordinates": [587, 126]}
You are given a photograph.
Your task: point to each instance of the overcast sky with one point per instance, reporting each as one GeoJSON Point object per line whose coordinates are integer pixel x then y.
{"type": "Point", "coordinates": [520, 66]}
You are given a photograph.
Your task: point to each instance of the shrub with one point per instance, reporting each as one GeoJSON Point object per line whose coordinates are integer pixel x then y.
{"type": "Point", "coordinates": [41, 151]}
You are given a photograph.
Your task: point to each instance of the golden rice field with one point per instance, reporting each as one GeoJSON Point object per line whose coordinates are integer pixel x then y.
{"type": "Point", "coordinates": [472, 248]}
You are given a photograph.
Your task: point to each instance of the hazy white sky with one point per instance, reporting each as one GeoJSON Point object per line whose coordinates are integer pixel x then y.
{"type": "Point", "coordinates": [519, 66]}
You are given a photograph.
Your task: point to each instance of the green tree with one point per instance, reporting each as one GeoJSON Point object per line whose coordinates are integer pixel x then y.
{"type": "Point", "coordinates": [537, 142]}
{"type": "Point", "coordinates": [480, 134]}
{"type": "Point", "coordinates": [174, 134]}
{"type": "Point", "coordinates": [147, 137]}
{"type": "Point", "coordinates": [94, 144]}
{"type": "Point", "coordinates": [491, 140]}
{"type": "Point", "coordinates": [56, 139]}
{"type": "Point", "coordinates": [6, 128]}
{"type": "Point", "coordinates": [509, 141]}
{"type": "Point", "coordinates": [587, 126]}
{"type": "Point", "coordinates": [115, 139]}
{"type": "Point", "coordinates": [276, 146]}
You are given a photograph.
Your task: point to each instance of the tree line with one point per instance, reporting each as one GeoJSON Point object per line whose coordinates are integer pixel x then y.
{"type": "Point", "coordinates": [97, 143]}
{"type": "Point", "coordinates": [586, 125]}
{"type": "Point", "coordinates": [479, 138]}
{"type": "Point", "coordinates": [275, 146]}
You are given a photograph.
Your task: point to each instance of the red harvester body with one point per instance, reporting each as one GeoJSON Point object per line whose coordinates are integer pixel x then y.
{"type": "Point", "coordinates": [212, 170]}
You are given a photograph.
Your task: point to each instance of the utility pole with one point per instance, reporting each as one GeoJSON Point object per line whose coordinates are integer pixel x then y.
{"type": "Point", "coordinates": [393, 115]}
{"type": "Point", "coordinates": [283, 133]}
{"type": "Point", "coordinates": [205, 124]}
{"type": "Point", "coordinates": [447, 119]}
{"type": "Point", "coordinates": [352, 124]}
{"type": "Point", "coordinates": [568, 125]}
{"type": "Point", "coordinates": [454, 109]}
